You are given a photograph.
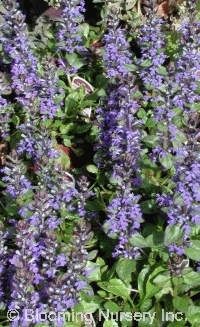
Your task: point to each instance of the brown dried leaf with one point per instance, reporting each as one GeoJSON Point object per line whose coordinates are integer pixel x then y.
{"type": "Point", "coordinates": [164, 9]}
{"type": "Point", "coordinates": [167, 7]}
{"type": "Point", "coordinates": [3, 152]}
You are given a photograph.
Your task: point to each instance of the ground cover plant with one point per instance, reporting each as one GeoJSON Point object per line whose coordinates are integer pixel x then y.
{"type": "Point", "coordinates": [100, 163]}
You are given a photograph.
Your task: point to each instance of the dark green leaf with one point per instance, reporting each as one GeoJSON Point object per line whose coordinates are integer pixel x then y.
{"type": "Point", "coordinates": [172, 234]}
{"type": "Point", "coordinates": [148, 206]}
{"type": "Point", "coordinates": [15, 120]}
{"type": "Point", "coordinates": [82, 129]}
{"type": "Point", "coordinates": [95, 205]}
{"type": "Point", "coordinates": [70, 105]}
{"type": "Point", "coordinates": [166, 161]}
{"type": "Point", "coordinates": [156, 240]}
{"type": "Point", "coordinates": [147, 289]}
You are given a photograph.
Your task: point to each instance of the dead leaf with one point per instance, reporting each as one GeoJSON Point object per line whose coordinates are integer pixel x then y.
{"type": "Point", "coordinates": [3, 152]}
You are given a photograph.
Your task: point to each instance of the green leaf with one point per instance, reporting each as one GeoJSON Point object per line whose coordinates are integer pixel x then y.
{"type": "Point", "coordinates": [142, 114]}
{"type": "Point", "coordinates": [147, 289]}
{"type": "Point", "coordinates": [12, 209]}
{"type": "Point", "coordinates": [180, 322]}
{"type": "Point", "coordinates": [95, 205]}
{"type": "Point", "coordinates": [74, 60]}
{"type": "Point", "coordinates": [131, 67]}
{"type": "Point", "coordinates": [180, 138]}
{"type": "Point", "coordinates": [111, 306]}
{"type": "Point", "coordinates": [178, 200]}
{"type": "Point", "coordinates": [138, 240]}
{"type": "Point", "coordinates": [148, 318]}
{"type": "Point", "coordinates": [172, 234]}
{"type": "Point", "coordinates": [85, 27]}
{"type": "Point", "coordinates": [92, 169]}
{"type": "Point", "coordinates": [146, 63]}
{"type": "Point", "coordinates": [88, 306]}
{"type": "Point", "coordinates": [148, 206]}
{"type": "Point", "coordinates": [162, 280]}
{"type": "Point", "coordinates": [92, 255]}
{"type": "Point", "coordinates": [64, 129]}
{"type": "Point", "coordinates": [100, 262]}
{"type": "Point", "coordinates": [172, 44]}
{"type": "Point", "coordinates": [125, 267]}
{"type": "Point", "coordinates": [162, 127]}
{"type": "Point", "coordinates": [94, 272]}
{"type": "Point", "coordinates": [161, 70]}
{"type": "Point", "coordinates": [193, 315]}
{"type": "Point", "coordinates": [151, 140]}
{"type": "Point", "coordinates": [142, 279]}
{"type": "Point", "coordinates": [191, 278]}
{"type": "Point", "coordinates": [71, 323]}
{"type": "Point", "coordinates": [150, 122]}
{"type": "Point", "coordinates": [64, 160]}
{"type": "Point", "coordinates": [15, 120]}
{"type": "Point", "coordinates": [146, 305]}
{"type": "Point", "coordinates": [67, 142]}
{"type": "Point", "coordinates": [181, 303]}
{"type": "Point", "coordinates": [110, 323]}
{"type": "Point", "coordinates": [137, 95]}
{"type": "Point", "coordinates": [130, 4]}
{"type": "Point", "coordinates": [193, 251]}
{"type": "Point", "coordinates": [102, 293]}
{"type": "Point", "coordinates": [115, 286]}
{"type": "Point", "coordinates": [156, 240]}
{"type": "Point", "coordinates": [82, 129]}
{"type": "Point", "coordinates": [70, 104]}
{"type": "Point", "coordinates": [85, 104]}
{"type": "Point", "coordinates": [166, 161]}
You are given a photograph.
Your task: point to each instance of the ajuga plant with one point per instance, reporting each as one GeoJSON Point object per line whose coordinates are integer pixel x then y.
{"type": "Point", "coordinates": [69, 36]}
{"type": "Point", "coordinates": [186, 204]}
{"type": "Point", "coordinates": [120, 137]}
{"type": "Point", "coordinates": [173, 93]}
{"type": "Point", "coordinates": [6, 109]}
{"type": "Point", "coordinates": [145, 177]}
{"type": "Point", "coordinates": [3, 260]}
{"type": "Point", "coordinates": [151, 41]}
{"type": "Point", "coordinates": [40, 276]}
